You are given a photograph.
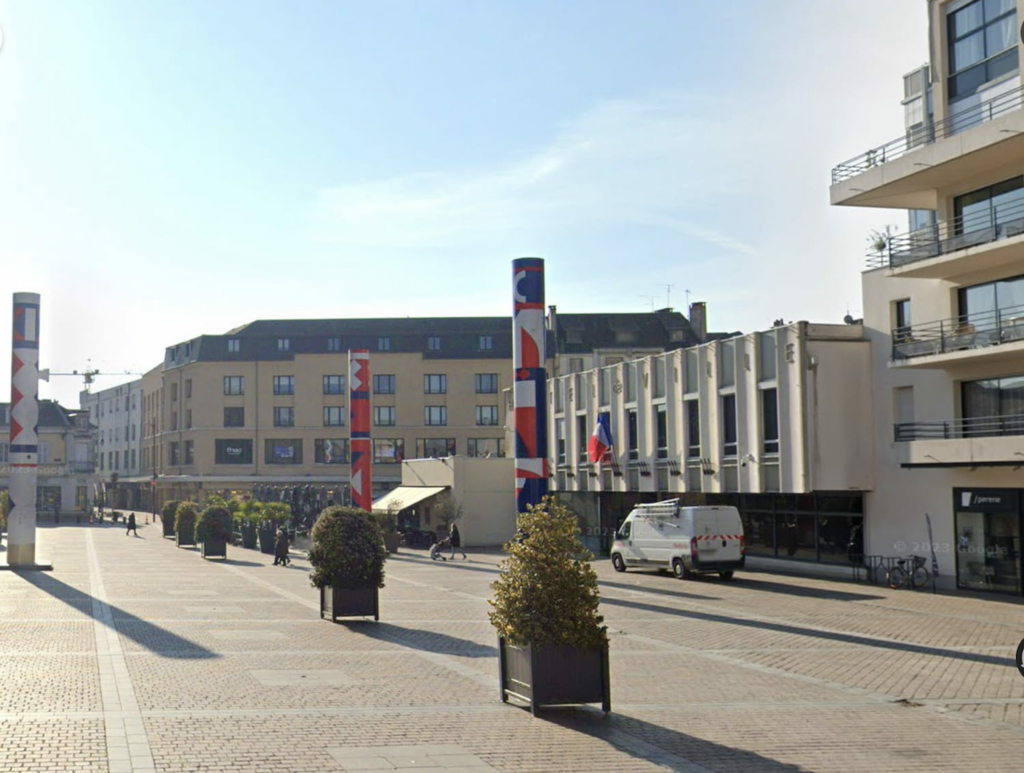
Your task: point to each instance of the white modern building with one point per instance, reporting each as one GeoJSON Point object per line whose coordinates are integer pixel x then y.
{"type": "Point", "coordinates": [117, 413]}
{"type": "Point", "coordinates": [944, 303]}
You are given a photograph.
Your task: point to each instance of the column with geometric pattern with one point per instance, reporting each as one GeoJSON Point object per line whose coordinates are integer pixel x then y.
{"type": "Point", "coordinates": [24, 440]}
{"type": "Point", "coordinates": [529, 379]}
{"type": "Point", "coordinates": [361, 445]}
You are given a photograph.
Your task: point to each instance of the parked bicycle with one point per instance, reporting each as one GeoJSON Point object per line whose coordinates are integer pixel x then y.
{"type": "Point", "coordinates": [915, 575]}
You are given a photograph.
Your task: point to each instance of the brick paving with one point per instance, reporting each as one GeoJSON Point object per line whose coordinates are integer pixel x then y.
{"type": "Point", "coordinates": [135, 655]}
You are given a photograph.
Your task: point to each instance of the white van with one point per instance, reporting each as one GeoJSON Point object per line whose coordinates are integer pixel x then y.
{"type": "Point", "coordinates": [663, 535]}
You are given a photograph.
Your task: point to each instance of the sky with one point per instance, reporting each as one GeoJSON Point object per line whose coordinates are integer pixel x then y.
{"type": "Point", "coordinates": [179, 168]}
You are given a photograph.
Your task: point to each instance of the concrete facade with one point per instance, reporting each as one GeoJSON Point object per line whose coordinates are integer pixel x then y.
{"type": "Point", "coordinates": [117, 414]}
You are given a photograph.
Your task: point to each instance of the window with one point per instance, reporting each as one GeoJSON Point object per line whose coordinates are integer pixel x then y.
{"type": "Point", "coordinates": [575, 364]}
{"type": "Point", "coordinates": [334, 385]}
{"type": "Point", "coordinates": [604, 393]}
{"type": "Point", "coordinates": [334, 344]}
{"type": "Point", "coordinates": [997, 207]}
{"type": "Point", "coordinates": [282, 452]}
{"type": "Point", "coordinates": [582, 438]}
{"type": "Point", "coordinates": [133, 432]}
{"type": "Point", "coordinates": [559, 441]}
{"type": "Point", "coordinates": [384, 415]}
{"type": "Point", "coordinates": [435, 415]}
{"type": "Point", "coordinates": [487, 383]}
{"type": "Point", "coordinates": [729, 444]}
{"type": "Point", "coordinates": [659, 377]}
{"type": "Point", "coordinates": [435, 384]}
{"type": "Point", "coordinates": [232, 452]}
{"type": "Point", "coordinates": [174, 420]}
{"type": "Point", "coordinates": [284, 416]}
{"type": "Point", "coordinates": [434, 343]}
{"type": "Point", "coordinates": [117, 460]}
{"type": "Point", "coordinates": [485, 343]}
{"type": "Point", "coordinates": [692, 429]}
{"type": "Point", "coordinates": [234, 417]}
{"type": "Point", "coordinates": [901, 315]}
{"type": "Point", "coordinates": [661, 431]}
{"type": "Point", "coordinates": [434, 448]}
{"type": "Point", "coordinates": [384, 385]}
{"type": "Point", "coordinates": [284, 385]}
{"type": "Point", "coordinates": [982, 45]}
{"type": "Point", "coordinates": [334, 416]}
{"type": "Point", "coordinates": [284, 344]}
{"type": "Point", "coordinates": [133, 456]}
{"type": "Point", "coordinates": [629, 369]}
{"type": "Point", "coordinates": [188, 392]}
{"type": "Point", "coordinates": [175, 457]}
{"type": "Point", "coordinates": [388, 450]}
{"type": "Point", "coordinates": [384, 344]}
{"type": "Point", "coordinates": [330, 451]}
{"type": "Point", "coordinates": [234, 346]}
{"type": "Point", "coordinates": [767, 354]}
{"type": "Point", "coordinates": [727, 363]}
{"type": "Point", "coordinates": [632, 436]}
{"type": "Point", "coordinates": [5, 449]}
{"type": "Point", "coordinates": [770, 421]}
{"type": "Point", "coordinates": [188, 421]}
{"type": "Point", "coordinates": [174, 392]}
{"type": "Point", "coordinates": [993, 406]}
{"type": "Point", "coordinates": [992, 306]}
{"type": "Point", "coordinates": [101, 462]}
{"type": "Point", "coordinates": [485, 447]}
{"type": "Point", "coordinates": [559, 386]}
{"type": "Point", "coordinates": [234, 385]}
{"type": "Point", "coordinates": [190, 452]}
{"type": "Point", "coordinates": [486, 415]}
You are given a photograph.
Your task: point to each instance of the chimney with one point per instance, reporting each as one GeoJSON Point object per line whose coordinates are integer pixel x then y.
{"type": "Point", "coordinates": [699, 319]}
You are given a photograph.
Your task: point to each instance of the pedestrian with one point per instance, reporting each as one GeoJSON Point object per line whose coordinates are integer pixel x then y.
{"type": "Point", "coordinates": [456, 542]}
{"type": "Point", "coordinates": [281, 549]}
{"type": "Point", "coordinates": [131, 525]}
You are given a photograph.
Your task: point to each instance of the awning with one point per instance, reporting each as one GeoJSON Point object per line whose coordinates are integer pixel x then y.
{"type": "Point", "coordinates": [405, 496]}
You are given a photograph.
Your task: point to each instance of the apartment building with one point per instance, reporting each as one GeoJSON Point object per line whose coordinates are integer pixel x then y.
{"type": "Point", "coordinates": [944, 303]}
{"type": "Point", "coordinates": [769, 422]}
{"type": "Point", "coordinates": [268, 402]}
{"type": "Point", "coordinates": [66, 445]}
{"type": "Point", "coordinates": [117, 414]}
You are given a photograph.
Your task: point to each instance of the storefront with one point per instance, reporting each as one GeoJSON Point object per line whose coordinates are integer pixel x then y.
{"type": "Point", "coordinates": [988, 529]}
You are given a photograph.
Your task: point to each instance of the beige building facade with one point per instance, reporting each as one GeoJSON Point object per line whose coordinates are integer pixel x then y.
{"type": "Point", "coordinates": [944, 304]}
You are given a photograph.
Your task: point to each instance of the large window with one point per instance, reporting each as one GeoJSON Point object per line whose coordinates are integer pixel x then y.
{"type": "Point", "coordinates": [433, 448]}
{"type": "Point", "coordinates": [175, 457]}
{"type": "Point", "coordinates": [661, 430]}
{"type": "Point", "coordinates": [189, 453]}
{"type": "Point", "coordinates": [435, 415]}
{"type": "Point", "coordinates": [982, 45]}
{"type": "Point", "coordinates": [284, 385]}
{"type": "Point", "coordinates": [486, 415]}
{"type": "Point", "coordinates": [994, 206]}
{"type": "Point", "coordinates": [901, 312]}
{"type": "Point", "coordinates": [729, 443]}
{"type": "Point", "coordinates": [692, 429]}
{"type": "Point", "coordinates": [330, 450]}
{"type": "Point", "coordinates": [282, 452]}
{"type": "Point", "coordinates": [559, 441]}
{"type": "Point", "coordinates": [384, 385]}
{"type": "Point", "coordinates": [487, 383]}
{"type": "Point", "coordinates": [632, 436]}
{"type": "Point", "coordinates": [232, 452]}
{"type": "Point", "coordinates": [334, 385]}
{"type": "Point", "coordinates": [435, 383]}
{"type": "Point", "coordinates": [334, 416]}
{"type": "Point", "coordinates": [284, 416]}
{"type": "Point", "coordinates": [770, 421]}
{"type": "Point", "coordinates": [383, 415]}
{"type": "Point", "coordinates": [388, 450]}
{"type": "Point", "coordinates": [994, 305]}
{"type": "Point", "coordinates": [480, 446]}
{"type": "Point", "coordinates": [993, 406]}
{"type": "Point", "coordinates": [234, 385]}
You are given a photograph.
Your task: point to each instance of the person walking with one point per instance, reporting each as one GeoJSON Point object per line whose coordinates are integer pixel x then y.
{"type": "Point", "coordinates": [131, 525]}
{"type": "Point", "coordinates": [281, 549]}
{"type": "Point", "coordinates": [456, 542]}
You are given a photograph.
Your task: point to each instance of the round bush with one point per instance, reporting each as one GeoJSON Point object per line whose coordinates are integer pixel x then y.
{"type": "Point", "coordinates": [185, 518]}
{"type": "Point", "coordinates": [347, 550]}
{"type": "Point", "coordinates": [170, 509]}
{"type": "Point", "coordinates": [214, 525]}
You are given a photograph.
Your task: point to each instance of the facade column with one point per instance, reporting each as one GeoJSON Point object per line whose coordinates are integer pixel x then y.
{"type": "Point", "coordinates": [24, 437]}
{"type": "Point", "coordinates": [529, 377]}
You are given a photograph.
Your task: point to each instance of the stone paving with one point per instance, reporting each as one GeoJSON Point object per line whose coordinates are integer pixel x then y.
{"type": "Point", "coordinates": [135, 655]}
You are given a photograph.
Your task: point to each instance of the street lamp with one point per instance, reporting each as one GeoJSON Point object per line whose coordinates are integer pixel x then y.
{"type": "Point", "coordinates": [152, 493]}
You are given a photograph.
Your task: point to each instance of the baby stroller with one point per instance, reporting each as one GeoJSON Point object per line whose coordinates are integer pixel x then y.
{"type": "Point", "coordinates": [437, 547]}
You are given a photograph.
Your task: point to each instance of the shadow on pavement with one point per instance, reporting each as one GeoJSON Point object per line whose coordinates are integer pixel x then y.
{"type": "Point", "coordinates": [846, 638]}
{"type": "Point", "coordinates": [659, 591]}
{"type": "Point", "coordinates": [750, 583]}
{"type": "Point", "coordinates": [418, 639]}
{"type": "Point", "coordinates": [138, 630]}
{"type": "Point", "coordinates": [457, 563]}
{"type": "Point", "coordinates": [653, 743]}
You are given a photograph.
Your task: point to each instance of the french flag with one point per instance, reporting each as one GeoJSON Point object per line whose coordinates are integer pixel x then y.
{"type": "Point", "coordinates": [601, 441]}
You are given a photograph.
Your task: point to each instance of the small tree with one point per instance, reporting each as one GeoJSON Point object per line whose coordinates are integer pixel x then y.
{"type": "Point", "coordinates": [347, 550]}
{"type": "Point", "coordinates": [214, 525]}
{"type": "Point", "coordinates": [185, 520]}
{"type": "Point", "coordinates": [547, 590]}
{"type": "Point", "coordinates": [447, 509]}
{"type": "Point", "coordinates": [170, 510]}
{"type": "Point", "coordinates": [5, 509]}
{"type": "Point", "coordinates": [274, 514]}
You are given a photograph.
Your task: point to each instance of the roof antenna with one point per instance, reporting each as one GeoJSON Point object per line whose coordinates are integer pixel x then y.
{"type": "Point", "coordinates": [650, 299]}
{"type": "Point", "coordinates": [668, 294]}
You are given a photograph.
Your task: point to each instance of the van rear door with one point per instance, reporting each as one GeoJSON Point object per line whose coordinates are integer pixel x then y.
{"type": "Point", "coordinates": [705, 527]}
{"type": "Point", "coordinates": [730, 534]}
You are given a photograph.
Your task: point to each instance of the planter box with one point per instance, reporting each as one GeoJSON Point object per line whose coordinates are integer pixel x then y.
{"type": "Point", "coordinates": [545, 675]}
{"type": "Point", "coordinates": [215, 549]}
{"type": "Point", "coordinates": [392, 539]}
{"type": "Point", "coordinates": [267, 541]}
{"type": "Point", "coordinates": [249, 539]}
{"type": "Point", "coordinates": [181, 539]}
{"type": "Point", "coordinates": [340, 602]}
{"type": "Point", "coordinates": [168, 524]}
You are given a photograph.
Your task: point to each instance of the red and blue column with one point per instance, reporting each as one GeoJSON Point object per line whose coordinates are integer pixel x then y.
{"type": "Point", "coordinates": [24, 438]}
{"type": "Point", "coordinates": [361, 445]}
{"type": "Point", "coordinates": [529, 378]}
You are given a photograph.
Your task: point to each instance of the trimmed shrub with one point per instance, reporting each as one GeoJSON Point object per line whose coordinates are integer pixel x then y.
{"type": "Point", "coordinates": [347, 550]}
{"type": "Point", "coordinates": [214, 525]}
{"type": "Point", "coordinates": [185, 519]}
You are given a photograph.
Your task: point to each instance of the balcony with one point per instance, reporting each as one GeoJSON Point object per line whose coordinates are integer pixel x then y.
{"type": "Point", "coordinates": [906, 172]}
{"type": "Point", "coordinates": [974, 442]}
{"type": "Point", "coordinates": [952, 248]}
{"type": "Point", "coordinates": [991, 335]}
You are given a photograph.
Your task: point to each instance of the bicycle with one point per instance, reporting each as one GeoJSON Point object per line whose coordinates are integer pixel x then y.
{"type": "Point", "coordinates": [916, 575]}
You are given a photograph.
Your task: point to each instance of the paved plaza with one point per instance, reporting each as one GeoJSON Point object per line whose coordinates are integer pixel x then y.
{"type": "Point", "coordinates": [135, 655]}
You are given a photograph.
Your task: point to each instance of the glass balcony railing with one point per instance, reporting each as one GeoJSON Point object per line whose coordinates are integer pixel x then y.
{"type": "Point", "coordinates": [970, 331]}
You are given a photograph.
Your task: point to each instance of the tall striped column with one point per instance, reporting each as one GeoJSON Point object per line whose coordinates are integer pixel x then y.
{"type": "Point", "coordinates": [530, 382]}
{"type": "Point", "coordinates": [24, 440]}
{"type": "Point", "coordinates": [361, 444]}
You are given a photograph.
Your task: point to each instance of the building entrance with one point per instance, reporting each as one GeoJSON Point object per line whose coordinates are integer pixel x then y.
{"type": "Point", "coordinates": [988, 529]}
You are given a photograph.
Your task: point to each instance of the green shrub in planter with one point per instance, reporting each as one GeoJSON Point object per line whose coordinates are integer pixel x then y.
{"type": "Point", "coordinates": [274, 514]}
{"type": "Point", "coordinates": [347, 557]}
{"type": "Point", "coordinates": [185, 523]}
{"type": "Point", "coordinates": [552, 646]}
{"type": "Point", "coordinates": [213, 530]}
{"type": "Point", "coordinates": [167, 515]}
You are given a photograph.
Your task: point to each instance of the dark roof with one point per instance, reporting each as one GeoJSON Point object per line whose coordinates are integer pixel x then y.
{"type": "Point", "coordinates": [583, 333]}
{"type": "Point", "coordinates": [51, 414]}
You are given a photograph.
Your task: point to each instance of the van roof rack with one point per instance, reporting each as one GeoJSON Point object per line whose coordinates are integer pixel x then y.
{"type": "Point", "coordinates": [667, 507]}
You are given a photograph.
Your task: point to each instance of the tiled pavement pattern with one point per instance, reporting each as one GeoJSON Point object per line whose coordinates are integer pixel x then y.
{"type": "Point", "coordinates": [134, 655]}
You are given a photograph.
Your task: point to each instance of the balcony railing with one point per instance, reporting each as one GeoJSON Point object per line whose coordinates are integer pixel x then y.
{"type": "Point", "coordinates": [980, 426]}
{"type": "Point", "coordinates": [949, 236]}
{"type": "Point", "coordinates": [971, 331]}
{"type": "Point", "coordinates": [929, 133]}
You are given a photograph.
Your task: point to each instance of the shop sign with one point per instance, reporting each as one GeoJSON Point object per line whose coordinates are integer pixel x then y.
{"type": "Point", "coordinates": [986, 500]}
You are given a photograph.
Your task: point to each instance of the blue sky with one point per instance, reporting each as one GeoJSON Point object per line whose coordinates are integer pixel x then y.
{"type": "Point", "coordinates": [172, 169]}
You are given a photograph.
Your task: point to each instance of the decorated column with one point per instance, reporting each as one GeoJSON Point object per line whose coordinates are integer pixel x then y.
{"type": "Point", "coordinates": [530, 380]}
{"type": "Point", "coordinates": [361, 445]}
{"type": "Point", "coordinates": [24, 439]}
